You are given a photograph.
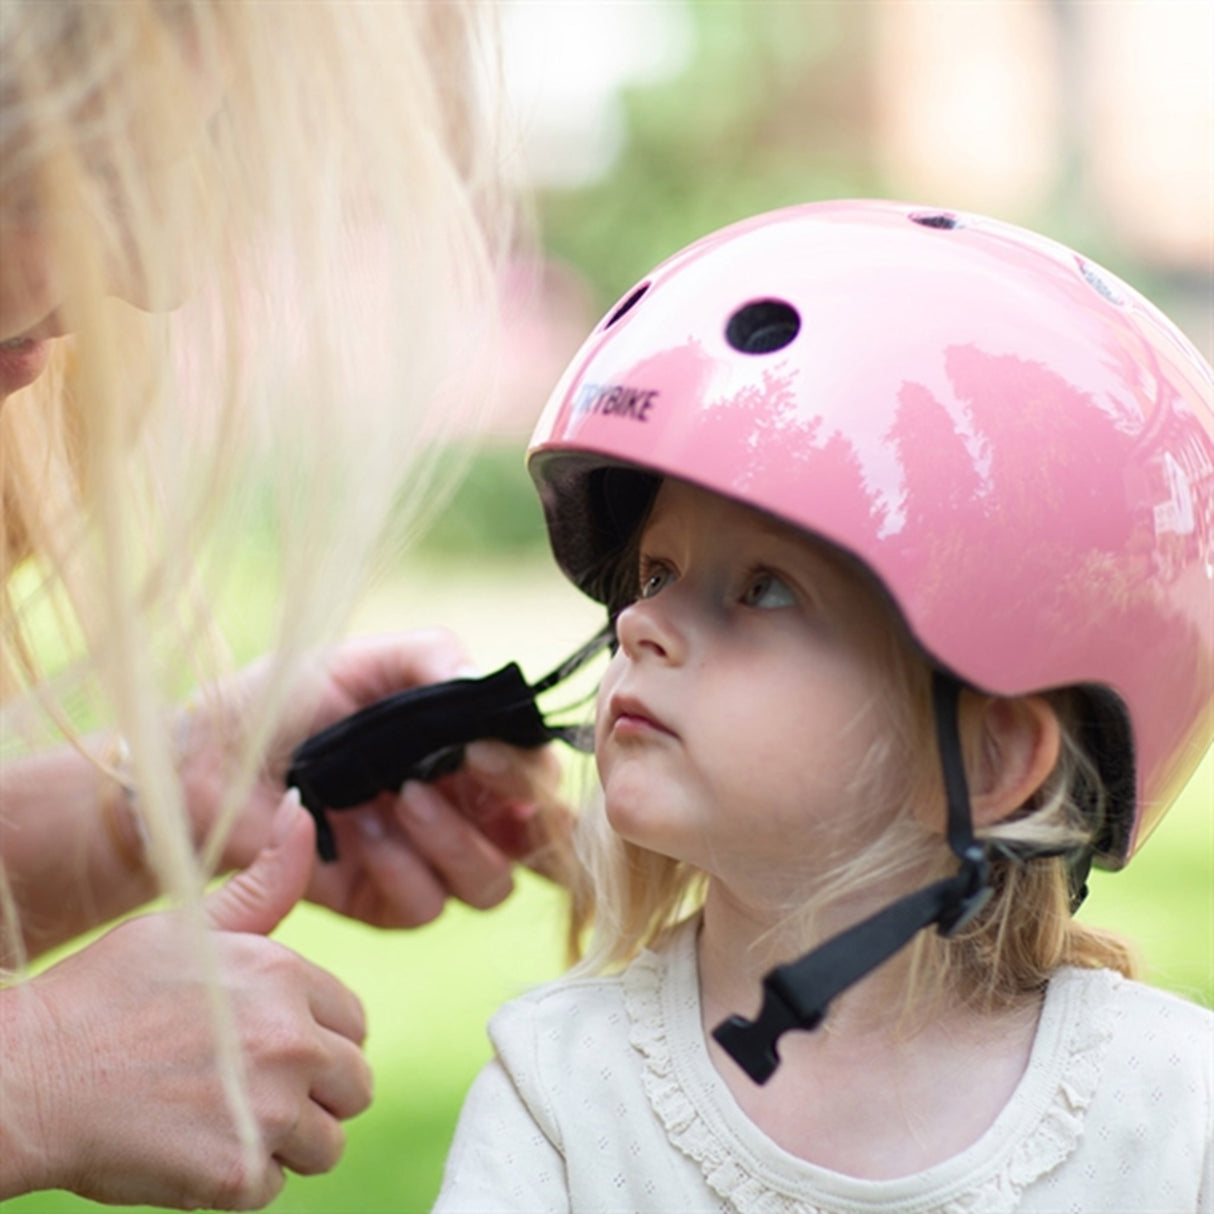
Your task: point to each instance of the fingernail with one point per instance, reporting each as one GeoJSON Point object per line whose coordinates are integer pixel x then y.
{"type": "Point", "coordinates": [523, 811]}
{"type": "Point", "coordinates": [419, 802]}
{"type": "Point", "coordinates": [371, 826]}
{"type": "Point", "coordinates": [490, 758]}
{"type": "Point", "coordinates": [288, 807]}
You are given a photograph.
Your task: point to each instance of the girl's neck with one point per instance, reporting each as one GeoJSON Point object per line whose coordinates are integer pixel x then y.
{"type": "Point", "coordinates": [740, 942]}
{"type": "Point", "coordinates": [873, 1092]}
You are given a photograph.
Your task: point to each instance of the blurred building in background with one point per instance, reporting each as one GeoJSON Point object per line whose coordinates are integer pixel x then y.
{"type": "Point", "coordinates": [1101, 114]}
{"type": "Point", "coordinates": [643, 125]}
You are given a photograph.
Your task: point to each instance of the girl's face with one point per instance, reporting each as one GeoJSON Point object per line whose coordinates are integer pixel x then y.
{"type": "Point", "coordinates": [739, 719]}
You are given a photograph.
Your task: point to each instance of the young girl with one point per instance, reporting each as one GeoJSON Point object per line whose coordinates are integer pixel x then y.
{"type": "Point", "coordinates": [905, 522]}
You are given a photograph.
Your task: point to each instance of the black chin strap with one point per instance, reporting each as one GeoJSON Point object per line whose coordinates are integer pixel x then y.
{"type": "Point", "coordinates": [420, 734]}
{"type": "Point", "coordinates": [797, 995]}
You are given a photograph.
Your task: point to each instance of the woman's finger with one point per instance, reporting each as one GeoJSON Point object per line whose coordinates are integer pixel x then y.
{"type": "Point", "coordinates": [249, 1194]}
{"type": "Point", "coordinates": [334, 1006]}
{"type": "Point", "coordinates": [401, 890]}
{"type": "Point", "coordinates": [464, 860]}
{"type": "Point", "coordinates": [508, 773]}
{"type": "Point", "coordinates": [343, 1087]}
{"type": "Point", "coordinates": [370, 668]}
{"type": "Point", "coordinates": [315, 1143]}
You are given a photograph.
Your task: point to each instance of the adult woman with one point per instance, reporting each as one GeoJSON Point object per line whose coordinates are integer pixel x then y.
{"type": "Point", "coordinates": [294, 199]}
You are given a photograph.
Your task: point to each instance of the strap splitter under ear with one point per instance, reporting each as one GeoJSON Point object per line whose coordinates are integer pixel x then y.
{"type": "Point", "coordinates": [421, 733]}
{"type": "Point", "coordinates": [797, 995]}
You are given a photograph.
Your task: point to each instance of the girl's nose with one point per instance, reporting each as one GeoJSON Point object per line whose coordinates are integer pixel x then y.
{"type": "Point", "coordinates": [650, 627]}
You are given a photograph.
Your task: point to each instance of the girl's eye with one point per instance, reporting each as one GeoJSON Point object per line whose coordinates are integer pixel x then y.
{"type": "Point", "coordinates": [655, 578]}
{"type": "Point", "coordinates": [767, 591]}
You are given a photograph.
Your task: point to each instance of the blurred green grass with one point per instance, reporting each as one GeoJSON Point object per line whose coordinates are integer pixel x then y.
{"type": "Point", "coordinates": [429, 992]}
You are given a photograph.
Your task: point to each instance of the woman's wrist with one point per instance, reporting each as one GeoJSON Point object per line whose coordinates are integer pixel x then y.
{"type": "Point", "coordinates": [71, 852]}
{"type": "Point", "coordinates": [32, 1092]}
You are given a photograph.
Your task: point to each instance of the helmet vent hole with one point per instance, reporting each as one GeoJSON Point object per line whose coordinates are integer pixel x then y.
{"type": "Point", "coordinates": [936, 219]}
{"type": "Point", "coordinates": [627, 306]}
{"type": "Point", "coordinates": [762, 327]}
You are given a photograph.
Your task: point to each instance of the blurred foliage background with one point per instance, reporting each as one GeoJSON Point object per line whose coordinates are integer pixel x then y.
{"type": "Point", "coordinates": [643, 126]}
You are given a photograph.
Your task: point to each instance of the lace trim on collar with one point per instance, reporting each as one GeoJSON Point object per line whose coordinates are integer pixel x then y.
{"type": "Point", "coordinates": [989, 1187]}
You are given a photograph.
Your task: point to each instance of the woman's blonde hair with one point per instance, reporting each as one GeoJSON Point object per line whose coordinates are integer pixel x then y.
{"type": "Point", "coordinates": [625, 898]}
{"type": "Point", "coordinates": [304, 203]}
{"type": "Point", "coordinates": [305, 199]}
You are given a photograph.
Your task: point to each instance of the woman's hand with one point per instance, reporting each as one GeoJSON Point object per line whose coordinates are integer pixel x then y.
{"type": "Point", "coordinates": [400, 856]}
{"type": "Point", "coordinates": [110, 1056]}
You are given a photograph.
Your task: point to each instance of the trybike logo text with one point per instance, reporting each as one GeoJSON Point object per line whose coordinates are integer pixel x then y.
{"type": "Point", "coordinates": [615, 399]}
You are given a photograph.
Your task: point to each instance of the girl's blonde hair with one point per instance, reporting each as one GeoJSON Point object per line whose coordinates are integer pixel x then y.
{"type": "Point", "coordinates": [625, 898]}
{"type": "Point", "coordinates": [303, 200]}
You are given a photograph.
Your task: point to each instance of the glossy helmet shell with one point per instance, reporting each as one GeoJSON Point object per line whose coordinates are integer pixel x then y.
{"type": "Point", "coordinates": [1017, 444]}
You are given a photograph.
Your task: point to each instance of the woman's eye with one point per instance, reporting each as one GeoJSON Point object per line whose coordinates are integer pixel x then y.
{"type": "Point", "coordinates": [767, 591]}
{"type": "Point", "coordinates": [654, 579]}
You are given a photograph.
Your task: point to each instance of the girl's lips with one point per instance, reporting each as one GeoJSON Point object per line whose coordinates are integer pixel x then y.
{"type": "Point", "coordinates": [628, 715]}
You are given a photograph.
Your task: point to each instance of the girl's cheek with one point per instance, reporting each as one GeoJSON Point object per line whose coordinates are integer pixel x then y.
{"type": "Point", "coordinates": [600, 714]}
{"type": "Point", "coordinates": [611, 677]}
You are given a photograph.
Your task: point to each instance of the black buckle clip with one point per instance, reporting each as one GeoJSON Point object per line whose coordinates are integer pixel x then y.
{"type": "Point", "coordinates": [752, 1043]}
{"type": "Point", "coordinates": [973, 893]}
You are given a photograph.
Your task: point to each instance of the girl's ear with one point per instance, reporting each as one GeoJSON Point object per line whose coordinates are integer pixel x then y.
{"type": "Point", "coordinates": [1014, 745]}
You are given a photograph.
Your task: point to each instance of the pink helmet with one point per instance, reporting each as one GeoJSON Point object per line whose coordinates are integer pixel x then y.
{"type": "Point", "coordinates": [1017, 444]}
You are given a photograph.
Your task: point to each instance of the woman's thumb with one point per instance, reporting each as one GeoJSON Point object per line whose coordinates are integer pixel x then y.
{"type": "Point", "coordinates": [258, 898]}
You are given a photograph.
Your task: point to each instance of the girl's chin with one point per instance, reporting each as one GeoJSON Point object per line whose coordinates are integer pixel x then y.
{"type": "Point", "coordinates": [21, 362]}
{"type": "Point", "coordinates": [635, 822]}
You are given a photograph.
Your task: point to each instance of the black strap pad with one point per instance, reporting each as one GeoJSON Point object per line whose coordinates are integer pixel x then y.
{"type": "Point", "coordinates": [419, 734]}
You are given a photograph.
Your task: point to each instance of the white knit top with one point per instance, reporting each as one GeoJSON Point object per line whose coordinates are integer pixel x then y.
{"type": "Point", "coordinates": [602, 1097]}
